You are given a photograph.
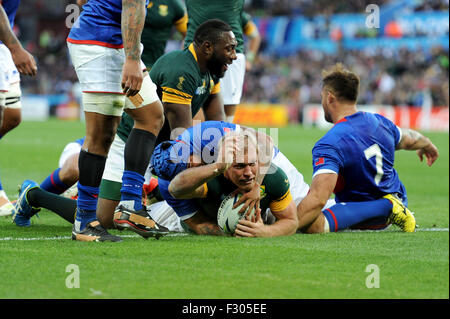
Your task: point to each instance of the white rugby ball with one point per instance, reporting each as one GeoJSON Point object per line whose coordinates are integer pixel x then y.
{"type": "Point", "coordinates": [227, 217]}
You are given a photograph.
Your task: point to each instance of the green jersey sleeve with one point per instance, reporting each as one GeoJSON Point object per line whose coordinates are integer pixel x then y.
{"type": "Point", "coordinates": [276, 188]}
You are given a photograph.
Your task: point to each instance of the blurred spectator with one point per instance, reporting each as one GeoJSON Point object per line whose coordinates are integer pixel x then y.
{"type": "Point", "coordinates": [396, 78]}
{"type": "Point", "coordinates": [386, 77]}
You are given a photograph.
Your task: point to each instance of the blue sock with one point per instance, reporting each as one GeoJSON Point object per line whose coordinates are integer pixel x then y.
{"type": "Point", "coordinates": [131, 190]}
{"type": "Point", "coordinates": [86, 205]}
{"type": "Point", "coordinates": [345, 215]}
{"type": "Point", "coordinates": [53, 183]}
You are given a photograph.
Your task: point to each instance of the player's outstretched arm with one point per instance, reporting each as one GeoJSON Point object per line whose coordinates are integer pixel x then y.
{"type": "Point", "coordinates": [23, 60]}
{"type": "Point", "coordinates": [133, 19]}
{"type": "Point", "coordinates": [189, 183]}
{"type": "Point", "coordinates": [203, 226]}
{"type": "Point", "coordinates": [311, 206]}
{"type": "Point", "coordinates": [413, 140]}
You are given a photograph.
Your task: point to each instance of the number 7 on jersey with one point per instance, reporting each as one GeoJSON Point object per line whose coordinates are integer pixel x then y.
{"type": "Point", "coordinates": [372, 151]}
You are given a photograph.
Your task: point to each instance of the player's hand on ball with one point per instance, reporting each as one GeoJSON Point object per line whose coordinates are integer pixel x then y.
{"type": "Point", "coordinates": [250, 201]}
{"type": "Point", "coordinates": [132, 77]}
{"type": "Point", "coordinates": [251, 228]}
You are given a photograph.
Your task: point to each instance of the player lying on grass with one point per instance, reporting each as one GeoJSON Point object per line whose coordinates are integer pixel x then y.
{"type": "Point", "coordinates": [202, 139]}
{"type": "Point", "coordinates": [198, 146]}
{"type": "Point", "coordinates": [355, 160]}
{"type": "Point", "coordinates": [197, 192]}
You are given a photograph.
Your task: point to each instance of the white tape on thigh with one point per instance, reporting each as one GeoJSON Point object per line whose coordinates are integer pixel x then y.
{"type": "Point", "coordinates": [103, 103]}
{"type": "Point", "coordinates": [12, 97]}
{"type": "Point", "coordinates": [147, 95]}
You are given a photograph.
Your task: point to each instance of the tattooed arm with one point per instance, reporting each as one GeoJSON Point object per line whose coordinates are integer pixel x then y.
{"type": "Point", "coordinates": [413, 140]}
{"type": "Point", "coordinates": [133, 18]}
{"type": "Point", "coordinates": [202, 226]}
{"type": "Point", "coordinates": [23, 60]}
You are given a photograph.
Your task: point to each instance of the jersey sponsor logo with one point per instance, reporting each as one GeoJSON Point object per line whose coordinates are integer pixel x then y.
{"type": "Point", "coordinates": [319, 161]}
{"type": "Point", "coordinates": [163, 10]}
{"type": "Point", "coordinates": [201, 89]}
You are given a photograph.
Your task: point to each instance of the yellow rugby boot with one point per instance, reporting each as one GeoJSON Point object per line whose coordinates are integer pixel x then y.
{"type": "Point", "coordinates": [401, 215]}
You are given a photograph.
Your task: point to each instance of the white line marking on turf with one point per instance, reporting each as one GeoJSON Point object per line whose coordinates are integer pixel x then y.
{"type": "Point", "coordinates": [68, 237]}
{"type": "Point", "coordinates": [186, 234]}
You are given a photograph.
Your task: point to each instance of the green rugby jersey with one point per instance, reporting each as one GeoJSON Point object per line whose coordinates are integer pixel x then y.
{"type": "Point", "coordinates": [161, 16]}
{"type": "Point", "coordinates": [226, 10]}
{"type": "Point", "coordinates": [179, 80]}
{"type": "Point", "coordinates": [274, 191]}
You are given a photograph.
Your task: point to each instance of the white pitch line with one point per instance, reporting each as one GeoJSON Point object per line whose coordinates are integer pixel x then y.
{"type": "Point", "coordinates": [68, 237]}
{"type": "Point", "coordinates": [185, 234]}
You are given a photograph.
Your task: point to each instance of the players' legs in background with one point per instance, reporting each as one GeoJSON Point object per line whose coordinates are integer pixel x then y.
{"type": "Point", "coordinates": [66, 175]}
{"type": "Point", "coordinates": [100, 130]}
{"type": "Point", "coordinates": [148, 121]}
{"type": "Point", "coordinates": [229, 112]}
{"type": "Point", "coordinates": [231, 86]}
{"type": "Point", "coordinates": [32, 198]}
{"type": "Point", "coordinates": [10, 117]}
{"type": "Point", "coordinates": [345, 215]}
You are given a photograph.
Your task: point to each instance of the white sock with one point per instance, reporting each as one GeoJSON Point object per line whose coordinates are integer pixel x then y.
{"type": "Point", "coordinates": [326, 226]}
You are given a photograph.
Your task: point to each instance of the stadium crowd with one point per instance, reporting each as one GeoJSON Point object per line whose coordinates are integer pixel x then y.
{"type": "Point", "coordinates": [393, 78]}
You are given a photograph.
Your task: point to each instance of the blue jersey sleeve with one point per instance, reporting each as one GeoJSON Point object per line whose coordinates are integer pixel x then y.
{"type": "Point", "coordinates": [326, 159]}
{"type": "Point", "coordinates": [394, 129]}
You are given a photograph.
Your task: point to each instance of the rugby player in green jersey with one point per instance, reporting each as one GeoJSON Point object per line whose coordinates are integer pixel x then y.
{"type": "Point", "coordinates": [236, 171]}
{"type": "Point", "coordinates": [229, 11]}
{"type": "Point", "coordinates": [161, 16]}
{"type": "Point", "coordinates": [187, 80]}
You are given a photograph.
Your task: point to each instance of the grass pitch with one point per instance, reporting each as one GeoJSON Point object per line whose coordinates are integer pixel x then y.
{"type": "Point", "coordinates": [37, 261]}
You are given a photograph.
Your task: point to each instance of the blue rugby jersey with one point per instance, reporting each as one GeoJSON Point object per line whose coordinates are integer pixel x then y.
{"type": "Point", "coordinates": [99, 23]}
{"type": "Point", "coordinates": [361, 150]}
{"type": "Point", "coordinates": [10, 7]}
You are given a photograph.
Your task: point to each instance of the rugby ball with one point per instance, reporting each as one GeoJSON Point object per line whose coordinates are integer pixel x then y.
{"type": "Point", "coordinates": [227, 217]}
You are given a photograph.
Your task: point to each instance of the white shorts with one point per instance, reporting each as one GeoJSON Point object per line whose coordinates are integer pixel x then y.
{"type": "Point", "coordinates": [70, 149]}
{"type": "Point", "coordinates": [165, 216]}
{"type": "Point", "coordinates": [99, 71]}
{"type": "Point", "coordinates": [8, 70]}
{"type": "Point", "coordinates": [10, 92]}
{"type": "Point", "coordinates": [115, 162]}
{"type": "Point", "coordinates": [233, 81]}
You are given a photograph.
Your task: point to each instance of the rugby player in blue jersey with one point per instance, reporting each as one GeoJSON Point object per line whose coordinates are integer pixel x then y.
{"type": "Point", "coordinates": [105, 49]}
{"type": "Point", "coordinates": [355, 160]}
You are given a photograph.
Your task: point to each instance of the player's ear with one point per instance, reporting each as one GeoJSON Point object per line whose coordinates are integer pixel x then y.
{"type": "Point", "coordinates": [207, 48]}
{"type": "Point", "coordinates": [330, 97]}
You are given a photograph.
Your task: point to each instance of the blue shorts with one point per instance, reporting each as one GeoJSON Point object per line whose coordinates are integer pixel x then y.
{"type": "Point", "coordinates": [185, 208]}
